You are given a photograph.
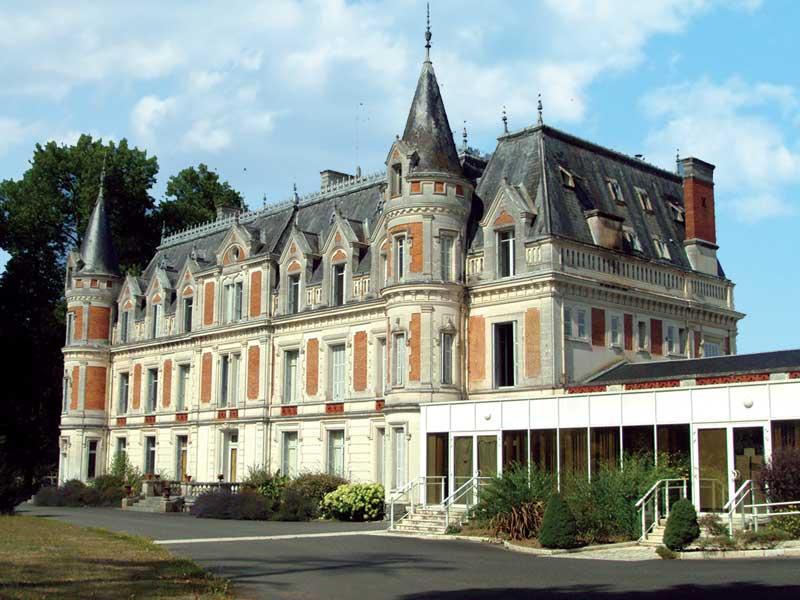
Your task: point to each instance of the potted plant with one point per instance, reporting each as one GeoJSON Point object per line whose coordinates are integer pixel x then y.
{"type": "Point", "coordinates": [188, 478]}
{"type": "Point", "coordinates": [166, 491]}
{"type": "Point", "coordinates": [148, 476]}
{"type": "Point", "coordinates": [128, 488]}
{"type": "Point", "coordinates": [220, 477]}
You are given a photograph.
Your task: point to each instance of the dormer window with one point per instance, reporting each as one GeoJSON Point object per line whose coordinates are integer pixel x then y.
{"type": "Point", "coordinates": [566, 178]}
{"type": "Point", "coordinates": [233, 302]}
{"type": "Point", "coordinates": [397, 180]}
{"type": "Point", "coordinates": [662, 250]}
{"type": "Point", "coordinates": [632, 239]}
{"type": "Point", "coordinates": [644, 199]}
{"type": "Point", "coordinates": [615, 190]}
{"type": "Point", "coordinates": [678, 214]}
{"type": "Point", "coordinates": [124, 326]}
{"type": "Point", "coordinates": [400, 257]}
{"type": "Point", "coordinates": [293, 299]}
{"type": "Point", "coordinates": [235, 253]}
{"type": "Point", "coordinates": [188, 307]}
{"type": "Point", "coordinates": [155, 320]}
{"type": "Point", "coordinates": [505, 253]}
{"type": "Point", "coordinates": [338, 285]}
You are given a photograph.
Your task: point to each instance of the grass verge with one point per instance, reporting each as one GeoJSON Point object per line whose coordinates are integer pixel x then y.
{"type": "Point", "coordinates": [43, 558]}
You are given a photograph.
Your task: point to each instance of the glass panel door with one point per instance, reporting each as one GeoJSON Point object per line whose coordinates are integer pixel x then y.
{"type": "Point", "coordinates": [712, 458]}
{"type": "Point", "coordinates": [748, 458]}
{"type": "Point", "coordinates": [462, 460]}
{"type": "Point", "coordinates": [487, 456]}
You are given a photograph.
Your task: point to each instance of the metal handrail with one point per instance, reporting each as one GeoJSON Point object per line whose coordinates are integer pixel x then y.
{"type": "Point", "coordinates": [737, 498]}
{"type": "Point", "coordinates": [408, 491]}
{"type": "Point", "coordinates": [754, 509]}
{"type": "Point", "coordinates": [448, 502]}
{"type": "Point", "coordinates": [398, 494]}
{"type": "Point", "coordinates": [652, 494]}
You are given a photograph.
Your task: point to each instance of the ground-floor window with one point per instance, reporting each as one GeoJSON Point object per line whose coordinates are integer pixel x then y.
{"type": "Point", "coordinates": [91, 463]}
{"type": "Point", "coordinates": [605, 448]}
{"type": "Point", "coordinates": [543, 449]}
{"type": "Point", "coordinates": [150, 454]}
{"type": "Point", "coordinates": [380, 440]}
{"type": "Point", "coordinates": [182, 456]}
{"type": "Point", "coordinates": [437, 467]}
{"type": "Point", "coordinates": [336, 452]}
{"type": "Point", "coordinates": [573, 452]}
{"type": "Point", "coordinates": [289, 453]}
{"type": "Point", "coordinates": [122, 446]}
{"type": "Point", "coordinates": [399, 446]}
{"type": "Point", "coordinates": [673, 443]}
{"type": "Point", "coordinates": [231, 457]}
{"type": "Point", "coordinates": [785, 434]}
{"type": "Point", "coordinates": [638, 440]}
{"type": "Point", "coordinates": [515, 448]}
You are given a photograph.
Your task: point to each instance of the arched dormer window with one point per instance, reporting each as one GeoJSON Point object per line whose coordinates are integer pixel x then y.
{"type": "Point", "coordinates": [338, 275]}
{"type": "Point", "coordinates": [156, 313]}
{"type": "Point", "coordinates": [187, 308]}
{"type": "Point", "coordinates": [293, 282]}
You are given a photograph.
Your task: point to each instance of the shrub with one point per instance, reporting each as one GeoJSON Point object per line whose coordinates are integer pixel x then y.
{"type": "Point", "coordinates": [48, 496]}
{"type": "Point", "coordinates": [520, 523]}
{"type": "Point", "coordinates": [712, 525]}
{"type": "Point", "coordinates": [126, 473]}
{"type": "Point", "coordinates": [716, 542]}
{"type": "Point", "coordinates": [760, 539]}
{"type": "Point", "coordinates": [666, 553]}
{"type": "Point", "coordinates": [514, 488]}
{"type": "Point", "coordinates": [788, 523]}
{"type": "Point", "coordinates": [452, 529]}
{"type": "Point", "coordinates": [682, 528]}
{"type": "Point", "coordinates": [296, 506]}
{"type": "Point", "coordinates": [780, 476]}
{"type": "Point", "coordinates": [559, 528]}
{"type": "Point", "coordinates": [90, 496]}
{"type": "Point", "coordinates": [269, 485]}
{"type": "Point", "coordinates": [221, 504]}
{"type": "Point", "coordinates": [354, 502]}
{"type": "Point", "coordinates": [311, 488]}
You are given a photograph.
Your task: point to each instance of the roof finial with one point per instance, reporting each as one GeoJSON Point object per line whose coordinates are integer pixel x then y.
{"type": "Point", "coordinates": [505, 120]}
{"type": "Point", "coordinates": [464, 137]}
{"type": "Point", "coordinates": [264, 201]}
{"type": "Point", "coordinates": [540, 121]}
{"type": "Point", "coordinates": [428, 36]}
{"type": "Point", "coordinates": [295, 195]}
{"type": "Point", "coordinates": [677, 160]}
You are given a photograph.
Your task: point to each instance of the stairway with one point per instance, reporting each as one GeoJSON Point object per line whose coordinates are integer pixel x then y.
{"type": "Point", "coordinates": [428, 520]}
{"type": "Point", "coordinates": [151, 504]}
{"type": "Point", "coordinates": [656, 535]}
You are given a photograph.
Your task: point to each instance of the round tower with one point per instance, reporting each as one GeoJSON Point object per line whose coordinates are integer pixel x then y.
{"type": "Point", "coordinates": [91, 287]}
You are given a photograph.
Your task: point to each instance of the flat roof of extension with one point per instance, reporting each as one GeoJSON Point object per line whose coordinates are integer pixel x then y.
{"type": "Point", "coordinates": [782, 361]}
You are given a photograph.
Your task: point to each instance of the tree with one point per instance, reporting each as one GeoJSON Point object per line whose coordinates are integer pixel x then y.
{"type": "Point", "coordinates": [193, 196]}
{"type": "Point", "coordinates": [559, 528]}
{"type": "Point", "coordinates": [682, 528]}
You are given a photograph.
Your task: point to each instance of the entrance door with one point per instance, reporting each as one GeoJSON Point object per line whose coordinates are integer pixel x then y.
{"type": "Point", "coordinates": [726, 456]}
{"type": "Point", "coordinates": [473, 455]}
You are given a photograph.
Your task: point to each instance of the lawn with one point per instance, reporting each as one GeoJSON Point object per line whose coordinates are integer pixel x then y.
{"type": "Point", "coordinates": [43, 558]}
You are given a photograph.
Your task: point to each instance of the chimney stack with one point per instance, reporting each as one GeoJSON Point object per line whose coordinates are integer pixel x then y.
{"type": "Point", "coordinates": [698, 201]}
{"type": "Point", "coordinates": [225, 212]}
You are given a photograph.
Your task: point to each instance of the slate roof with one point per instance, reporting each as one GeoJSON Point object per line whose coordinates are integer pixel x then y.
{"type": "Point", "coordinates": [428, 130]}
{"type": "Point", "coordinates": [97, 250]}
{"type": "Point", "coordinates": [534, 157]}
{"type": "Point", "coordinates": [781, 361]}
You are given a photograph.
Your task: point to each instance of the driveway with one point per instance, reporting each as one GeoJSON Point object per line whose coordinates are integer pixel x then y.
{"type": "Point", "coordinates": [340, 560]}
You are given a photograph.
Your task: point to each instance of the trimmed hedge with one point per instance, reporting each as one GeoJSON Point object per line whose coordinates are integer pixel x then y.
{"type": "Point", "coordinates": [246, 505]}
{"type": "Point", "coordinates": [682, 528]}
{"type": "Point", "coordinates": [103, 491]}
{"type": "Point", "coordinates": [559, 527]}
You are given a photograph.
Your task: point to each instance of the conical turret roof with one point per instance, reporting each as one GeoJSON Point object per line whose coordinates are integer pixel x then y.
{"type": "Point", "coordinates": [428, 130]}
{"type": "Point", "coordinates": [97, 250]}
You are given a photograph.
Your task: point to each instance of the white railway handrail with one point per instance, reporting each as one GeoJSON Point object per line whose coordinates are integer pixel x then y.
{"type": "Point", "coordinates": [768, 505]}
{"type": "Point", "coordinates": [736, 501]}
{"type": "Point", "coordinates": [471, 484]}
{"type": "Point", "coordinates": [411, 492]}
{"type": "Point", "coordinates": [652, 495]}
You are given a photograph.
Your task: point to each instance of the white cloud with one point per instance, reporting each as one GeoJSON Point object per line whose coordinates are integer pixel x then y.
{"type": "Point", "coordinates": [744, 129]}
{"type": "Point", "coordinates": [207, 137]}
{"type": "Point", "coordinates": [13, 132]}
{"type": "Point", "coordinates": [149, 113]}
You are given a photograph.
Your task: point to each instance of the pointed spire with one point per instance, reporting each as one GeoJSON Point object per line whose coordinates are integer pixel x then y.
{"type": "Point", "coordinates": [464, 145]}
{"type": "Point", "coordinates": [428, 35]}
{"type": "Point", "coordinates": [97, 250]}
{"type": "Point", "coordinates": [427, 129]}
{"type": "Point", "coordinates": [505, 120]}
{"type": "Point", "coordinates": [540, 120]}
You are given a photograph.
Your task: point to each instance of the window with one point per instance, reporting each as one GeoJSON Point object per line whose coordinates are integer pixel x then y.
{"type": "Point", "coordinates": [152, 390]}
{"type": "Point", "coordinates": [505, 253]}
{"type": "Point", "coordinates": [184, 372]}
{"type": "Point", "coordinates": [71, 327]}
{"type": "Point", "coordinates": [155, 320]}
{"type": "Point", "coordinates": [615, 326]}
{"type": "Point", "coordinates": [504, 354]}
{"type": "Point", "coordinates": [150, 454]}
{"type": "Point", "coordinates": [399, 445]}
{"type": "Point", "coordinates": [384, 270]}
{"type": "Point", "coordinates": [289, 453]}
{"type": "Point", "coordinates": [400, 257]}
{"type": "Point", "coordinates": [605, 448]}
{"type": "Point", "coordinates": [566, 178]}
{"type": "Point", "coordinates": [338, 285]}
{"type": "Point", "coordinates": [336, 452]}
{"type": "Point", "coordinates": [399, 370]}
{"type": "Point", "coordinates": [290, 376]}
{"type": "Point", "coordinates": [641, 335]}
{"type": "Point", "coordinates": [581, 323]}
{"type": "Point", "coordinates": [338, 372]}
{"type": "Point", "coordinates": [671, 340]}
{"type": "Point", "coordinates": [662, 250]}
{"type": "Point", "coordinates": [91, 463]}
{"type": "Point", "coordinates": [683, 339]}
{"type": "Point", "coordinates": [644, 200]}
{"type": "Point", "coordinates": [397, 180]}
{"type": "Point", "coordinates": [294, 294]}
{"type": "Point", "coordinates": [122, 446]}
{"type": "Point", "coordinates": [568, 322]}
{"type": "Point", "coordinates": [231, 458]}
{"type": "Point", "coordinates": [380, 440]}
{"type": "Point", "coordinates": [122, 402]}
{"type": "Point", "coordinates": [229, 379]}
{"type": "Point", "coordinates": [543, 449]}
{"type": "Point", "coordinates": [632, 239]}
{"type": "Point", "coordinates": [65, 394]}
{"type": "Point", "coordinates": [380, 362]}
{"type": "Point", "coordinates": [573, 451]}
{"type": "Point", "coordinates": [446, 244]}
{"type": "Point", "coordinates": [615, 190]}
{"type": "Point", "coordinates": [447, 358]}
{"type": "Point", "coordinates": [711, 349]}
{"type": "Point", "coordinates": [233, 302]}
{"type": "Point", "coordinates": [188, 305]}
{"type": "Point", "coordinates": [123, 326]}
{"type": "Point", "coordinates": [182, 456]}
{"type": "Point", "coordinates": [678, 214]}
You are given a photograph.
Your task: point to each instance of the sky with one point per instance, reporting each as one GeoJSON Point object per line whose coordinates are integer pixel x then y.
{"type": "Point", "coordinates": [270, 93]}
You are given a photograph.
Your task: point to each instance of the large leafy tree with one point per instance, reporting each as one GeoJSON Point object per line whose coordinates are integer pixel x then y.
{"type": "Point", "coordinates": [193, 196]}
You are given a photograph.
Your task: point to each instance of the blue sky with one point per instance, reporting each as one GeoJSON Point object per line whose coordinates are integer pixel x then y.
{"type": "Point", "coordinates": [271, 93]}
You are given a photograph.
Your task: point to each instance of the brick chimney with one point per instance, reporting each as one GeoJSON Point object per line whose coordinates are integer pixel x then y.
{"type": "Point", "coordinates": [698, 201]}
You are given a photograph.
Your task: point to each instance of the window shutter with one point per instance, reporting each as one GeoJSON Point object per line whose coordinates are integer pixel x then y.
{"type": "Point", "coordinates": [656, 337]}
{"type": "Point", "coordinates": [598, 327]}
{"type": "Point", "coordinates": [628, 332]}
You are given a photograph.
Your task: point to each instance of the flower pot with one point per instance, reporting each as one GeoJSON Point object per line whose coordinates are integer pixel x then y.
{"type": "Point", "coordinates": [128, 489]}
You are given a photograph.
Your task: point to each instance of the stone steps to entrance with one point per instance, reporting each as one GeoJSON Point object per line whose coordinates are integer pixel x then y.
{"type": "Point", "coordinates": [428, 520]}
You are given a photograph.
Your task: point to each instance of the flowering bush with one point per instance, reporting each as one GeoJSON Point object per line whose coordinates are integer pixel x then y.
{"type": "Point", "coordinates": [354, 502]}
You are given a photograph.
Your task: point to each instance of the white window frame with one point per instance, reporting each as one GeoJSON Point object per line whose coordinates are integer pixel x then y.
{"type": "Point", "coordinates": [289, 464]}
{"type": "Point", "coordinates": [183, 383]}
{"type": "Point", "coordinates": [155, 320]}
{"type": "Point", "coordinates": [338, 284]}
{"type": "Point", "coordinates": [121, 446]}
{"type": "Point", "coordinates": [642, 343]}
{"type": "Point", "coordinates": [146, 449]}
{"type": "Point", "coordinates": [515, 352]}
{"type": "Point", "coordinates": [567, 178]}
{"type": "Point", "coordinates": [399, 456]}
{"type": "Point", "coordinates": [331, 449]}
{"type": "Point", "coordinates": [399, 359]}
{"type": "Point", "coordinates": [447, 244]}
{"type": "Point", "coordinates": [188, 315]}
{"type": "Point", "coordinates": [633, 239]}
{"type": "Point", "coordinates": [380, 365]}
{"type": "Point", "coordinates": [338, 371]}
{"type": "Point", "coordinates": [123, 393]}
{"type": "Point", "coordinates": [446, 343]}
{"type": "Point", "coordinates": [644, 199]}
{"type": "Point", "coordinates": [71, 326]}
{"type": "Point", "coordinates": [290, 385]}
{"type": "Point", "coordinates": [293, 284]}
{"type": "Point", "coordinates": [506, 246]}
{"type": "Point", "coordinates": [233, 294]}
{"type": "Point", "coordinates": [152, 390]}
{"type": "Point", "coordinates": [124, 325]}
{"type": "Point", "coordinates": [615, 190]}
{"type": "Point", "coordinates": [619, 330]}
{"type": "Point", "coordinates": [400, 259]}
{"type": "Point", "coordinates": [714, 345]}
{"type": "Point", "coordinates": [568, 326]}
{"type": "Point", "coordinates": [66, 394]}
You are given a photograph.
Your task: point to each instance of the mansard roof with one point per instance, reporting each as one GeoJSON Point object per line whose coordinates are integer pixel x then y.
{"type": "Point", "coordinates": [97, 250]}
{"type": "Point", "coordinates": [427, 129]}
{"type": "Point", "coordinates": [534, 158]}
{"type": "Point", "coordinates": [782, 361]}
